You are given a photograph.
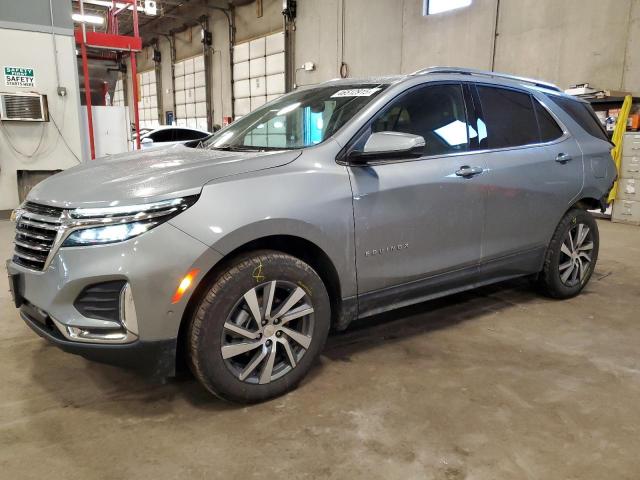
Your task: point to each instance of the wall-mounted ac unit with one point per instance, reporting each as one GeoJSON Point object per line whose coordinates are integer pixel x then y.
{"type": "Point", "coordinates": [24, 107]}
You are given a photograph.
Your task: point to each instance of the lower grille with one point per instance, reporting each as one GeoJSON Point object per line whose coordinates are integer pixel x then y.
{"type": "Point", "coordinates": [36, 231]}
{"type": "Point", "coordinates": [101, 301]}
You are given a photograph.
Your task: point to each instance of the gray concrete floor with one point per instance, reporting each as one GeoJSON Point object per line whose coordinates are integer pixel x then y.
{"type": "Point", "coordinates": [499, 383]}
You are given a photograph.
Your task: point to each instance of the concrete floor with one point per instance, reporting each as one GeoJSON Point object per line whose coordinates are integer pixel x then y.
{"type": "Point", "coordinates": [499, 383]}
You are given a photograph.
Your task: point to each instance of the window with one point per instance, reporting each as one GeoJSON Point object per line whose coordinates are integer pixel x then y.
{"type": "Point", "coordinates": [436, 113]}
{"type": "Point", "coordinates": [549, 129]}
{"type": "Point", "coordinates": [164, 135]}
{"type": "Point", "coordinates": [583, 115]}
{"type": "Point", "coordinates": [258, 72]}
{"type": "Point", "coordinates": [148, 99]}
{"type": "Point", "coordinates": [509, 117]}
{"type": "Point", "coordinates": [191, 93]}
{"type": "Point", "coordinates": [183, 134]}
{"type": "Point", "coordinates": [297, 120]}
{"type": "Point", "coordinates": [431, 7]}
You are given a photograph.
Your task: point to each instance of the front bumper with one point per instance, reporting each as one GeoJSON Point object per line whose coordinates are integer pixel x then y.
{"type": "Point", "coordinates": [155, 359]}
{"type": "Point", "coordinates": [152, 264]}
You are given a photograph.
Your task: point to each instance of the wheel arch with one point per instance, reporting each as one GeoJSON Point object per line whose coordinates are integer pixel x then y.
{"type": "Point", "coordinates": [587, 203]}
{"type": "Point", "coordinates": [296, 246]}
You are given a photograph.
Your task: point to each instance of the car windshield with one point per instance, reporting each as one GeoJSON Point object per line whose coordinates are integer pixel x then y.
{"type": "Point", "coordinates": [298, 120]}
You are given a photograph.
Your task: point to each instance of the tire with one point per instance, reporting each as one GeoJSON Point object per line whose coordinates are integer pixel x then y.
{"type": "Point", "coordinates": [242, 360]}
{"type": "Point", "coordinates": [571, 255]}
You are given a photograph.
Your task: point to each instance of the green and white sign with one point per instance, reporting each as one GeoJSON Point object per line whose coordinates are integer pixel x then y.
{"type": "Point", "coordinates": [19, 77]}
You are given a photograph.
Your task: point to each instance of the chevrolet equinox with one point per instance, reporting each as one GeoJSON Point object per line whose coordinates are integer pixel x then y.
{"type": "Point", "coordinates": [239, 252]}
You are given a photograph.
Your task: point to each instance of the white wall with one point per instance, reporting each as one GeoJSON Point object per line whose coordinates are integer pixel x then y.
{"type": "Point", "coordinates": [34, 49]}
{"type": "Point", "coordinates": [566, 42]}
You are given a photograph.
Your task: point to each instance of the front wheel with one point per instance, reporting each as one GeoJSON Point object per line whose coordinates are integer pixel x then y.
{"type": "Point", "coordinates": [259, 328]}
{"type": "Point", "coordinates": [571, 256]}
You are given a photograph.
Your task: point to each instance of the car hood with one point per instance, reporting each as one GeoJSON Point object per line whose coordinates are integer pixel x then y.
{"type": "Point", "coordinates": [152, 175]}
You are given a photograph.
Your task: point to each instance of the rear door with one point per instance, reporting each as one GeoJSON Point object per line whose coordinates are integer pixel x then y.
{"type": "Point", "coordinates": [535, 172]}
{"type": "Point", "coordinates": [415, 219]}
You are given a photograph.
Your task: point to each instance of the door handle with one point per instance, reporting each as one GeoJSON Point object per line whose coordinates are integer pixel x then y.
{"type": "Point", "coordinates": [466, 171]}
{"type": "Point", "coordinates": [563, 158]}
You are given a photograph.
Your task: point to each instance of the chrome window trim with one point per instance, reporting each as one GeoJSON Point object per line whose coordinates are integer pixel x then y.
{"type": "Point", "coordinates": [564, 137]}
{"type": "Point", "coordinates": [566, 134]}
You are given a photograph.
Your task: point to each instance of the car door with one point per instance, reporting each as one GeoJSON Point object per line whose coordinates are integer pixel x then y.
{"type": "Point", "coordinates": [418, 223]}
{"type": "Point", "coordinates": [534, 173]}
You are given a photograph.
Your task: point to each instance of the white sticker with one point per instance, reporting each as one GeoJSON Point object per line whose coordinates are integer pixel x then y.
{"type": "Point", "coordinates": [355, 92]}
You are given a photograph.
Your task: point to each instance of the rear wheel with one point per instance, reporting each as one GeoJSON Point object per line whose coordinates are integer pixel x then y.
{"type": "Point", "coordinates": [571, 256]}
{"type": "Point", "coordinates": [259, 328]}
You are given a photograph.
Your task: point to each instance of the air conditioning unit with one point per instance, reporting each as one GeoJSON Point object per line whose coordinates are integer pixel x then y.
{"type": "Point", "coordinates": [24, 107]}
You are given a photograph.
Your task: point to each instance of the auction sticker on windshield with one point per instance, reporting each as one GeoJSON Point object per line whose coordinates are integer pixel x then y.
{"type": "Point", "coordinates": [355, 92]}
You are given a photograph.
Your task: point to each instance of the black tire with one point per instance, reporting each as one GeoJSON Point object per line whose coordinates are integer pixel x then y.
{"type": "Point", "coordinates": [207, 335]}
{"type": "Point", "coordinates": [550, 280]}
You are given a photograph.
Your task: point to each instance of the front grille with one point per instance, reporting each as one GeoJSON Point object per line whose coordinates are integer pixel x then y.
{"type": "Point", "coordinates": [101, 300]}
{"type": "Point", "coordinates": [36, 231]}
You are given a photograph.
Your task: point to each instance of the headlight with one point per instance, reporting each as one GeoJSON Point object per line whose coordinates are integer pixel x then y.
{"type": "Point", "coordinates": [96, 226]}
{"type": "Point", "coordinates": [109, 234]}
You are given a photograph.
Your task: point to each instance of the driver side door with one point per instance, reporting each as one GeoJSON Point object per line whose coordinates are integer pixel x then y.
{"type": "Point", "coordinates": [418, 221]}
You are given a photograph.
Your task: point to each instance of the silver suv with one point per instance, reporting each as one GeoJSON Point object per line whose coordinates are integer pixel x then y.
{"type": "Point", "coordinates": [239, 253]}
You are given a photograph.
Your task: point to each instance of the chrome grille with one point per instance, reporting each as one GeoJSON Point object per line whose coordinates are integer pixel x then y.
{"type": "Point", "coordinates": [36, 230]}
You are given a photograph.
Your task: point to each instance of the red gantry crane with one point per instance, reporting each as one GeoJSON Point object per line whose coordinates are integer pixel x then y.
{"type": "Point", "coordinates": [115, 42]}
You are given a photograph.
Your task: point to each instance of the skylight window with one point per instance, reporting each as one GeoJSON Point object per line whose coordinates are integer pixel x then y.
{"type": "Point", "coordinates": [431, 7]}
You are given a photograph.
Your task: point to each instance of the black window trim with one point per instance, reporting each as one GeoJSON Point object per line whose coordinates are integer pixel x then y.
{"type": "Point", "coordinates": [565, 131]}
{"type": "Point", "coordinates": [341, 157]}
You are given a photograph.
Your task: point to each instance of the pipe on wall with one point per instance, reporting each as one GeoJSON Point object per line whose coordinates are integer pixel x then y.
{"type": "Point", "coordinates": [208, 74]}
{"type": "Point", "coordinates": [494, 42]}
{"type": "Point", "coordinates": [229, 13]}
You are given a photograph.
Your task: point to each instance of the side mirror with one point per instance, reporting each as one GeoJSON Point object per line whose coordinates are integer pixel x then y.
{"type": "Point", "coordinates": [146, 141]}
{"type": "Point", "coordinates": [388, 146]}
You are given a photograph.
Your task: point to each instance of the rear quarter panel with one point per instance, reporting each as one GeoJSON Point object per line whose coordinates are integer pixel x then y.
{"type": "Point", "coordinates": [599, 168]}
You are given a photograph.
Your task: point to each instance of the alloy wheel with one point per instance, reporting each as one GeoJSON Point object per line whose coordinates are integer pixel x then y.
{"type": "Point", "coordinates": [576, 255]}
{"type": "Point", "coordinates": [267, 332]}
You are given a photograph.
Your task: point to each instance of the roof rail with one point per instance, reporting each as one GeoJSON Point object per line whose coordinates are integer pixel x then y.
{"type": "Point", "coordinates": [485, 73]}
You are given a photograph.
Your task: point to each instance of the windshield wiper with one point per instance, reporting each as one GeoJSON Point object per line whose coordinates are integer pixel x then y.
{"type": "Point", "coordinates": [246, 148]}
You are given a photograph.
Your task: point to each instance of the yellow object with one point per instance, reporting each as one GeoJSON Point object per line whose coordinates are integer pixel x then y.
{"type": "Point", "coordinates": [618, 136]}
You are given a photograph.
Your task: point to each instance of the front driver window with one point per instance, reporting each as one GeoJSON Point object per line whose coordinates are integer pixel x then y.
{"type": "Point", "coordinates": [435, 112]}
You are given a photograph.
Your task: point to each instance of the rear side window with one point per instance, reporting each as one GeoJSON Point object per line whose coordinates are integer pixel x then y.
{"type": "Point", "coordinates": [583, 115]}
{"type": "Point", "coordinates": [165, 135]}
{"type": "Point", "coordinates": [549, 129]}
{"type": "Point", "coordinates": [509, 116]}
{"type": "Point", "coordinates": [181, 134]}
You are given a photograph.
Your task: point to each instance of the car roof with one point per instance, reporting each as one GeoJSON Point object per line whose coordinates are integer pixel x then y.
{"type": "Point", "coordinates": [437, 73]}
{"type": "Point", "coordinates": [171, 127]}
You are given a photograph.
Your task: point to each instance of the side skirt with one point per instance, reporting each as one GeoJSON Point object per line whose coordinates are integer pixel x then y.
{"type": "Point", "coordinates": [491, 271]}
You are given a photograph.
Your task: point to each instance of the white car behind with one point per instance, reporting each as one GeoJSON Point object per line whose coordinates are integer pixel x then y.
{"type": "Point", "coordinates": [169, 135]}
